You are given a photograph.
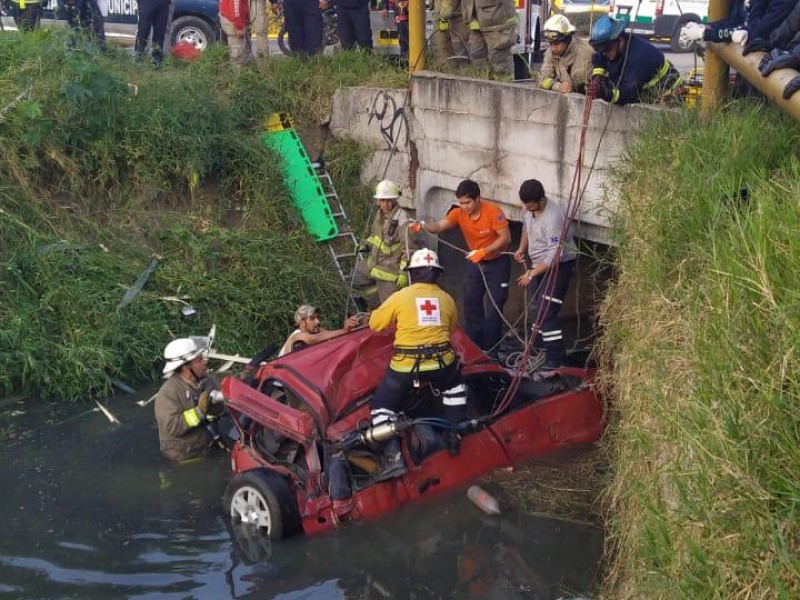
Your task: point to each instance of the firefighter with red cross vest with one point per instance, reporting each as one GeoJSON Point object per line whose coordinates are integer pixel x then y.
{"type": "Point", "coordinates": [425, 317]}
{"type": "Point", "coordinates": [382, 273]}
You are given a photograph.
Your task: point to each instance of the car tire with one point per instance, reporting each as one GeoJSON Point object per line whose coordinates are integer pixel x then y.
{"type": "Point", "coordinates": [262, 499]}
{"type": "Point", "coordinates": [198, 32]}
{"type": "Point", "coordinates": [675, 40]}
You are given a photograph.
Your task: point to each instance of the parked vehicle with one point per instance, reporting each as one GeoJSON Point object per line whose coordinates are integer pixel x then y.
{"type": "Point", "coordinates": [194, 21]}
{"type": "Point", "coordinates": [661, 18]}
{"type": "Point", "coordinates": [305, 459]}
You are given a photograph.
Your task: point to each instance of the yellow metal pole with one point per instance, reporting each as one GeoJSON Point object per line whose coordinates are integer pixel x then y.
{"type": "Point", "coordinates": [715, 74]}
{"type": "Point", "coordinates": [417, 58]}
{"type": "Point", "coordinates": [771, 87]}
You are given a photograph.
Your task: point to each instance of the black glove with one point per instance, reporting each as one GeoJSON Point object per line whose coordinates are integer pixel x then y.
{"type": "Point", "coordinates": [785, 60]}
{"type": "Point", "coordinates": [363, 249]}
{"type": "Point", "coordinates": [791, 87]}
{"type": "Point", "coordinates": [755, 45]}
{"type": "Point", "coordinates": [211, 403]}
{"type": "Point", "coordinates": [603, 88]}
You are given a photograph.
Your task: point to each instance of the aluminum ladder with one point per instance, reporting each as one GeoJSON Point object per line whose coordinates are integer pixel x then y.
{"type": "Point", "coordinates": [344, 246]}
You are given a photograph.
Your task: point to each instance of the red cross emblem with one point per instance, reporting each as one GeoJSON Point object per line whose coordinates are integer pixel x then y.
{"type": "Point", "coordinates": [428, 307]}
{"type": "Point", "coordinates": [428, 259]}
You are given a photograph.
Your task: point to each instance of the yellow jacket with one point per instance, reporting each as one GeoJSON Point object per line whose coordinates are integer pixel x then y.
{"type": "Point", "coordinates": [425, 316]}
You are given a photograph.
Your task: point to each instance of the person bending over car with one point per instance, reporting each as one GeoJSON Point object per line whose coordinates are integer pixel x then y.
{"type": "Point", "coordinates": [310, 332]}
{"type": "Point", "coordinates": [425, 316]}
{"type": "Point", "coordinates": [187, 402]}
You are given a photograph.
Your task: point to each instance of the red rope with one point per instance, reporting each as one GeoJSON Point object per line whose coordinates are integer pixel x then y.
{"type": "Point", "coordinates": [552, 273]}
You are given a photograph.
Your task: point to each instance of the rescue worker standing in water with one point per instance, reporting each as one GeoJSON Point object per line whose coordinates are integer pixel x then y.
{"type": "Point", "coordinates": [383, 271]}
{"type": "Point", "coordinates": [425, 316]}
{"type": "Point", "coordinates": [628, 69]}
{"type": "Point", "coordinates": [187, 401]}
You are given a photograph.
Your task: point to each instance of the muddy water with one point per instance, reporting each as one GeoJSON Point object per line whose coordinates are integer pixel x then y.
{"type": "Point", "coordinates": [92, 511]}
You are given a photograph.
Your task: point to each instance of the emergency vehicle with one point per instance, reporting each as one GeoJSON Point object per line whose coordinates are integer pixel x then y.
{"type": "Point", "coordinates": [661, 19]}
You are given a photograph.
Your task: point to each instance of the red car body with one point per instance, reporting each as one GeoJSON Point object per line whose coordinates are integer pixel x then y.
{"type": "Point", "coordinates": [331, 384]}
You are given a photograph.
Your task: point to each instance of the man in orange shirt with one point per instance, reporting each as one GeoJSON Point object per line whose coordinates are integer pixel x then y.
{"type": "Point", "coordinates": [485, 229]}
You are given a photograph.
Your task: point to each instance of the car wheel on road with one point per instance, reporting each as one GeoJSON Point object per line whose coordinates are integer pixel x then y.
{"type": "Point", "coordinates": [263, 500]}
{"type": "Point", "coordinates": [198, 32]}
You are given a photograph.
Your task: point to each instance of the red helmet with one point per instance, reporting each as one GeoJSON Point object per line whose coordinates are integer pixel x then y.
{"type": "Point", "coordinates": [185, 51]}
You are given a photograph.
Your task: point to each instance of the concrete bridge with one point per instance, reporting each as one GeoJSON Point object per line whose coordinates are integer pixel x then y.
{"type": "Point", "coordinates": [446, 128]}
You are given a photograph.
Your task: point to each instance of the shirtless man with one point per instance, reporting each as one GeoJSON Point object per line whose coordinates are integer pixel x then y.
{"type": "Point", "coordinates": [310, 332]}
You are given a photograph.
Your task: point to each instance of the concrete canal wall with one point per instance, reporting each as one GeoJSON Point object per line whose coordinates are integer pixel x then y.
{"type": "Point", "coordinates": [446, 128]}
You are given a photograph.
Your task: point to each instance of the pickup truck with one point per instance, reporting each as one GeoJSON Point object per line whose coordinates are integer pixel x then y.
{"type": "Point", "coordinates": [194, 21]}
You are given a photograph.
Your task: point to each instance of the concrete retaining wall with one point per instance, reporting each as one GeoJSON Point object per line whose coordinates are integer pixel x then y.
{"type": "Point", "coordinates": [499, 134]}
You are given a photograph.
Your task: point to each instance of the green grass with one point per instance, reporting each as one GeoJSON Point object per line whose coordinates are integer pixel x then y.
{"type": "Point", "coordinates": [701, 337]}
{"type": "Point", "coordinates": [106, 162]}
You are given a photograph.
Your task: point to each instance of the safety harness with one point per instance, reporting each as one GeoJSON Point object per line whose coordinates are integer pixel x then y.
{"type": "Point", "coordinates": [435, 352]}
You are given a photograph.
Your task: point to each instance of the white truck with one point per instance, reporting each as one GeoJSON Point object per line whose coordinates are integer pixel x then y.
{"type": "Point", "coordinates": [661, 19]}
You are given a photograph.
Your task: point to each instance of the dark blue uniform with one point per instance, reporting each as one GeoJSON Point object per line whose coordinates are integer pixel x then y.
{"type": "Point", "coordinates": [766, 15]}
{"type": "Point", "coordinates": [647, 73]}
{"type": "Point", "coordinates": [353, 23]}
{"type": "Point", "coordinates": [304, 25]}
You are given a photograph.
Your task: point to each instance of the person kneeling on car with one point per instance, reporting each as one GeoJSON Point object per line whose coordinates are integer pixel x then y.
{"type": "Point", "coordinates": [425, 316]}
{"type": "Point", "coordinates": [188, 402]}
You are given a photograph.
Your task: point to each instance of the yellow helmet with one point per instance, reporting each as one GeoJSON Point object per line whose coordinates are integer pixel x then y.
{"type": "Point", "coordinates": [387, 190]}
{"type": "Point", "coordinates": [558, 29]}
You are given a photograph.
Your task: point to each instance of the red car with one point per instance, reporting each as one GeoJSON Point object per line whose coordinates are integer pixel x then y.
{"type": "Point", "coordinates": [306, 458]}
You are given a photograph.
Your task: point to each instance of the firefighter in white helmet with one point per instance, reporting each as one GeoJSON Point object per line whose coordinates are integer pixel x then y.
{"type": "Point", "coordinates": [382, 272]}
{"type": "Point", "coordinates": [567, 63]}
{"type": "Point", "coordinates": [425, 317]}
{"type": "Point", "coordinates": [188, 401]}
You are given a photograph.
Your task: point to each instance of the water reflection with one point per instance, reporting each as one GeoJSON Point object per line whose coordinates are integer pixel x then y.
{"type": "Point", "coordinates": [93, 511]}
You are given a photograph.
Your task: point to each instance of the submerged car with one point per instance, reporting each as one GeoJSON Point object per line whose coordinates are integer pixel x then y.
{"type": "Point", "coordinates": [307, 458]}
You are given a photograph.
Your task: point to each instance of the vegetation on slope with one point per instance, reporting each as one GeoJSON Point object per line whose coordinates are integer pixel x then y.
{"type": "Point", "coordinates": [106, 162]}
{"type": "Point", "coordinates": [701, 331]}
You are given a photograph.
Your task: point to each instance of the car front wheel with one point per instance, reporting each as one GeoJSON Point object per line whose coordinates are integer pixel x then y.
{"type": "Point", "coordinates": [263, 500]}
{"type": "Point", "coordinates": [196, 31]}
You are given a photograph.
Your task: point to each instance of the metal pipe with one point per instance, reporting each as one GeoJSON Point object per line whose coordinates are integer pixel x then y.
{"type": "Point", "coordinates": [715, 72]}
{"type": "Point", "coordinates": [417, 57]}
{"type": "Point", "coordinates": [771, 87]}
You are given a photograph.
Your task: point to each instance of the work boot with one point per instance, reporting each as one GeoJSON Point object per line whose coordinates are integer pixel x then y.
{"type": "Point", "coordinates": [452, 441]}
{"type": "Point", "coordinates": [392, 463]}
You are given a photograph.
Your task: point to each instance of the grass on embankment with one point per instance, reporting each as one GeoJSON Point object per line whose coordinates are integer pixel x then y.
{"type": "Point", "coordinates": [702, 339]}
{"type": "Point", "coordinates": [108, 162]}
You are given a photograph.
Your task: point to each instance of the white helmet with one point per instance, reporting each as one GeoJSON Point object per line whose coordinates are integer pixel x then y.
{"type": "Point", "coordinates": [424, 258]}
{"type": "Point", "coordinates": [183, 350]}
{"type": "Point", "coordinates": [557, 28]}
{"type": "Point", "coordinates": [387, 190]}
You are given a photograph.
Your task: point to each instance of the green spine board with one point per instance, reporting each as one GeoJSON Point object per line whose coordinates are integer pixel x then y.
{"type": "Point", "coordinates": [303, 184]}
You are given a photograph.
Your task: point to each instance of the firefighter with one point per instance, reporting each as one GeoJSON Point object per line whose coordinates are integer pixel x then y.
{"type": "Point", "coordinates": [425, 317]}
{"type": "Point", "coordinates": [27, 14]}
{"type": "Point", "coordinates": [382, 273]}
{"type": "Point", "coordinates": [452, 38]}
{"type": "Point", "coordinates": [494, 22]}
{"type": "Point", "coordinates": [568, 60]}
{"type": "Point", "coordinates": [188, 401]}
{"type": "Point", "coordinates": [628, 69]}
